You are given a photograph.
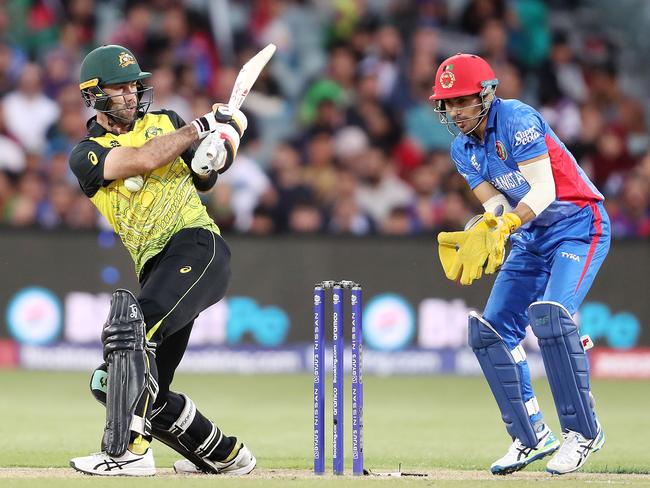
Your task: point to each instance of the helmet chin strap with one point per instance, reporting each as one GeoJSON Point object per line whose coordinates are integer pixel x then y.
{"type": "Point", "coordinates": [480, 117]}
{"type": "Point", "coordinates": [444, 119]}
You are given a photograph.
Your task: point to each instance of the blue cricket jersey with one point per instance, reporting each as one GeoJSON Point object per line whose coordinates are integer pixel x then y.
{"type": "Point", "coordinates": [516, 132]}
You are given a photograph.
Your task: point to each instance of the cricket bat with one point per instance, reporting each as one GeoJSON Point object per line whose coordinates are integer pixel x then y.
{"type": "Point", "coordinates": [243, 84]}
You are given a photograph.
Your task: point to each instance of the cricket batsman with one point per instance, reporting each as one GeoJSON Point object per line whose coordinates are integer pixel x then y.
{"type": "Point", "coordinates": [140, 169]}
{"type": "Point", "coordinates": [536, 196]}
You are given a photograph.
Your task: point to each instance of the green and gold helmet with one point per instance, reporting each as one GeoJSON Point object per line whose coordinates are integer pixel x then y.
{"type": "Point", "coordinates": [110, 65]}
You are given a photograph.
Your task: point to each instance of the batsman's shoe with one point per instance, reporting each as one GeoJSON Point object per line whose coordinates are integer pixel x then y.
{"type": "Point", "coordinates": [243, 463]}
{"type": "Point", "coordinates": [520, 456]}
{"type": "Point", "coordinates": [574, 451]}
{"type": "Point", "coordinates": [128, 464]}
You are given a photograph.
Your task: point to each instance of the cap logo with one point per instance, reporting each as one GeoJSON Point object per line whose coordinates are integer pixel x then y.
{"type": "Point", "coordinates": [447, 79]}
{"type": "Point", "coordinates": [125, 59]}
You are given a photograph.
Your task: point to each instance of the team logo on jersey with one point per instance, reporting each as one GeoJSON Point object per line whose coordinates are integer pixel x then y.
{"type": "Point", "coordinates": [125, 59]}
{"type": "Point", "coordinates": [152, 132]}
{"type": "Point", "coordinates": [447, 78]}
{"type": "Point", "coordinates": [501, 150]}
{"type": "Point", "coordinates": [115, 143]}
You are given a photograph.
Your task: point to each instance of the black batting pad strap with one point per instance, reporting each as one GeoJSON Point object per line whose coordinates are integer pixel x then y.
{"type": "Point", "coordinates": [186, 417]}
{"type": "Point", "coordinates": [206, 449]}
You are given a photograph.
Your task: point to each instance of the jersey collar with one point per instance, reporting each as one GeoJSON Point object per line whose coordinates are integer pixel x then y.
{"type": "Point", "coordinates": [94, 128]}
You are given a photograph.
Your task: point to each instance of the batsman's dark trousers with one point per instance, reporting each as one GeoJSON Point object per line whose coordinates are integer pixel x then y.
{"type": "Point", "coordinates": [189, 275]}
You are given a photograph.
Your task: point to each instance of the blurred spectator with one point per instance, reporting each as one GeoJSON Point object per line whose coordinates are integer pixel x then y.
{"type": "Point", "coordinates": [28, 112]}
{"type": "Point", "coordinates": [630, 214]}
{"type": "Point", "coordinates": [611, 157]}
{"type": "Point", "coordinates": [380, 189]}
{"type": "Point", "coordinates": [305, 218]}
{"type": "Point", "coordinates": [398, 222]}
{"type": "Point", "coordinates": [262, 223]}
{"type": "Point", "coordinates": [165, 94]}
{"type": "Point", "coordinates": [342, 137]}
{"type": "Point", "coordinates": [12, 156]}
{"type": "Point", "coordinates": [248, 184]}
{"type": "Point", "coordinates": [133, 31]}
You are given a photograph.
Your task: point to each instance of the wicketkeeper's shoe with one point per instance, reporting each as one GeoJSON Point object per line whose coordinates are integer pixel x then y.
{"type": "Point", "coordinates": [519, 456]}
{"type": "Point", "coordinates": [243, 463]}
{"type": "Point", "coordinates": [128, 464]}
{"type": "Point", "coordinates": [574, 451]}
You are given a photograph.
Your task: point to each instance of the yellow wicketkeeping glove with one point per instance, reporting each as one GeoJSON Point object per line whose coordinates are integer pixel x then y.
{"type": "Point", "coordinates": [502, 228]}
{"type": "Point", "coordinates": [463, 254]}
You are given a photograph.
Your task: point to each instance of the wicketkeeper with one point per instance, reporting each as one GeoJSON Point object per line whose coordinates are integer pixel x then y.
{"type": "Point", "coordinates": [140, 169]}
{"type": "Point", "coordinates": [536, 196]}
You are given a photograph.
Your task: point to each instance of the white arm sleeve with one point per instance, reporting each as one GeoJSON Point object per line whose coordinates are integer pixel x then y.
{"type": "Point", "coordinates": [542, 185]}
{"type": "Point", "coordinates": [491, 204]}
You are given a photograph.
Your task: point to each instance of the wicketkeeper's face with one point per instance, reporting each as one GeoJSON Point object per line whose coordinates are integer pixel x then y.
{"type": "Point", "coordinates": [464, 111]}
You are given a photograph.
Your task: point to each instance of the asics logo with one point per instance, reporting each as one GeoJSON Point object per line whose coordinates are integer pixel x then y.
{"type": "Point", "coordinates": [111, 464]}
{"type": "Point", "coordinates": [185, 269]}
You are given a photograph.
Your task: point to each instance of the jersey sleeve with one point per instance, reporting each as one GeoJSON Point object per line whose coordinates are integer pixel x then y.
{"type": "Point", "coordinates": [201, 184]}
{"type": "Point", "coordinates": [527, 133]}
{"type": "Point", "coordinates": [178, 122]}
{"type": "Point", "coordinates": [465, 168]}
{"type": "Point", "coordinates": [87, 163]}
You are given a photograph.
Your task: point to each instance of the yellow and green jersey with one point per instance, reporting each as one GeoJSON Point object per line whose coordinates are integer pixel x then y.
{"type": "Point", "coordinates": [168, 202]}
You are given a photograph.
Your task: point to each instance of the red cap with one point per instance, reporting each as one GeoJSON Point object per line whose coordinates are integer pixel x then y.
{"type": "Point", "coordinates": [460, 75]}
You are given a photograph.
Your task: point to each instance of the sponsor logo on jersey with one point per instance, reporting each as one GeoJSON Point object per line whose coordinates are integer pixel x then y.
{"type": "Point", "coordinates": [115, 143]}
{"type": "Point", "coordinates": [185, 269]}
{"type": "Point", "coordinates": [501, 150]}
{"type": "Point", "coordinates": [524, 137]}
{"type": "Point", "coordinates": [508, 181]}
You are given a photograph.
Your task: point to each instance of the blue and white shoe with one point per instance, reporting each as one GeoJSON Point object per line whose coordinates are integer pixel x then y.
{"type": "Point", "coordinates": [519, 456]}
{"type": "Point", "coordinates": [574, 451]}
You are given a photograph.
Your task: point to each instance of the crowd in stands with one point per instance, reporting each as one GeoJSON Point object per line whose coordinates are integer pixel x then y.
{"type": "Point", "coordinates": [342, 137]}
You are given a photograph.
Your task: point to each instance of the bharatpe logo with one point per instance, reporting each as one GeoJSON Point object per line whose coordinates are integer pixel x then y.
{"type": "Point", "coordinates": [353, 299]}
{"type": "Point", "coordinates": [477, 166]}
{"type": "Point", "coordinates": [335, 299]}
{"type": "Point", "coordinates": [316, 299]}
{"type": "Point", "coordinates": [524, 137]}
{"type": "Point", "coordinates": [501, 150]}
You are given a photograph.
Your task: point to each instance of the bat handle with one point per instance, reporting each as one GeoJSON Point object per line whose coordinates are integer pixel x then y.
{"type": "Point", "coordinates": [216, 142]}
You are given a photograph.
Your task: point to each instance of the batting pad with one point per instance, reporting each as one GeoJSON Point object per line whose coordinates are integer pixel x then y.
{"type": "Point", "coordinates": [502, 374]}
{"type": "Point", "coordinates": [566, 364]}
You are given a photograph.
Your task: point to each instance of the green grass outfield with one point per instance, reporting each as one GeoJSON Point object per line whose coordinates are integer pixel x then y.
{"type": "Point", "coordinates": [448, 427]}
